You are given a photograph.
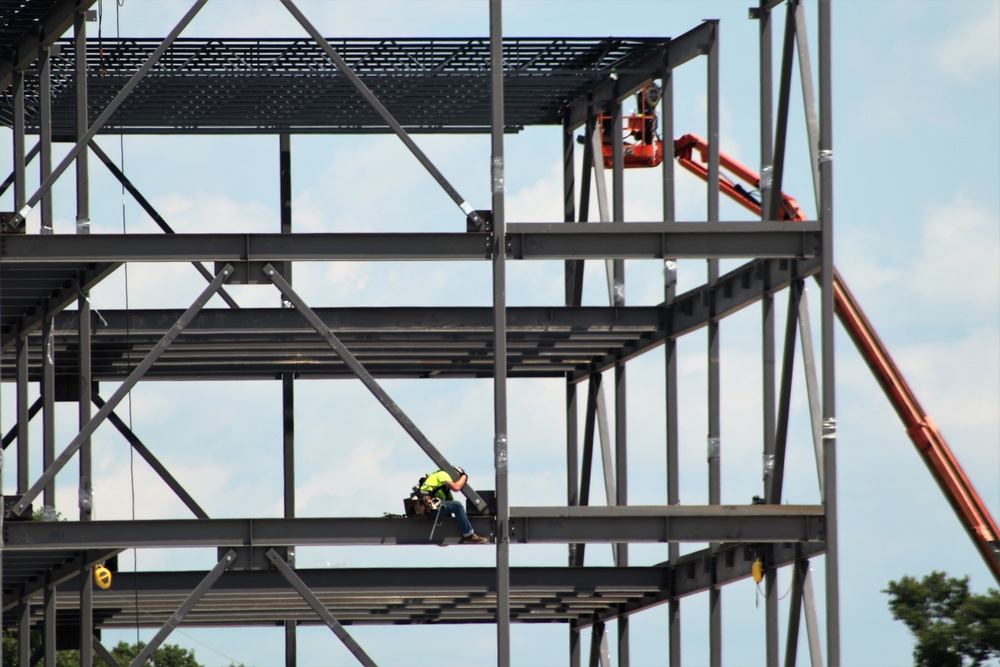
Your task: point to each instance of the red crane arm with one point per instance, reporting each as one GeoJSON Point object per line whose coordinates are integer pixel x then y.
{"type": "Point", "coordinates": [921, 429]}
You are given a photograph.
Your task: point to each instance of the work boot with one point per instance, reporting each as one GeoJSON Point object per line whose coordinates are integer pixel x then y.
{"type": "Point", "coordinates": [474, 539]}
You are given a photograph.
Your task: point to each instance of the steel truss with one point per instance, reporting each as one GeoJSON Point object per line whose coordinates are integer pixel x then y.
{"type": "Point", "coordinates": [497, 85]}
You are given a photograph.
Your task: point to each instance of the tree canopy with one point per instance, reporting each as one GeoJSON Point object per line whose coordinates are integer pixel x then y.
{"type": "Point", "coordinates": [952, 626]}
{"type": "Point", "coordinates": [168, 655]}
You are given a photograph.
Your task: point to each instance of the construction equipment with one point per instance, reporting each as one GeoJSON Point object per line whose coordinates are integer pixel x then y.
{"type": "Point", "coordinates": [969, 507]}
{"type": "Point", "coordinates": [643, 146]}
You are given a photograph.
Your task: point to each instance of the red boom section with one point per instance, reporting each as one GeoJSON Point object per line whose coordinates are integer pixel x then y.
{"type": "Point", "coordinates": [920, 427]}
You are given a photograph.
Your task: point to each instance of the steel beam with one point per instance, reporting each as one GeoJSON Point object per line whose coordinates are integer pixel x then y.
{"type": "Point", "coordinates": [369, 382]}
{"type": "Point", "coordinates": [181, 612]}
{"type": "Point", "coordinates": [536, 240]}
{"type": "Point", "coordinates": [318, 607]}
{"type": "Point", "coordinates": [529, 525]}
{"type": "Point", "coordinates": [52, 470]}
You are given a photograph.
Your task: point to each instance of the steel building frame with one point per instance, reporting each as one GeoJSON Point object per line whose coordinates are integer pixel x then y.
{"type": "Point", "coordinates": [404, 87]}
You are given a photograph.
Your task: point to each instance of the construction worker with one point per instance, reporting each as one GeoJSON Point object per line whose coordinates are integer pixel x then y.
{"type": "Point", "coordinates": [439, 485]}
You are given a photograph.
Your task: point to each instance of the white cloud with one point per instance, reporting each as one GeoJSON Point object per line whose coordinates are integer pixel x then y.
{"type": "Point", "coordinates": [972, 50]}
{"type": "Point", "coordinates": [960, 242]}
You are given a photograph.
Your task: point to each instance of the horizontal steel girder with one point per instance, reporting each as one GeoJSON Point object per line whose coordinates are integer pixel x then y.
{"type": "Point", "coordinates": [683, 240]}
{"type": "Point", "coordinates": [535, 525]}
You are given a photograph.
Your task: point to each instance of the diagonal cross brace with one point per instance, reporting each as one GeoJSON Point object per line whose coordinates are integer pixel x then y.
{"type": "Point", "coordinates": [153, 462]}
{"type": "Point", "coordinates": [92, 131]}
{"type": "Point", "coordinates": [380, 109]}
{"type": "Point", "coordinates": [366, 378]}
{"type": "Point", "coordinates": [122, 390]}
{"type": "Point", "coordinates": [317, 606]}
{"type": "Point", "coordinates": [185, 607]}
{"type": "Point", "coordinates": [151, 212]}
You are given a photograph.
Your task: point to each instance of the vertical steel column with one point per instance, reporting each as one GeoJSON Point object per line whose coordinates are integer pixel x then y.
{"type": "Point", "coordinates": [767, 326]}
{"type": "Point", "coordinates": [569, 208]}
{"type": "Point", "coordinates": [670, 363]}
{"type": "Point", "coordinates": [17, 93]}
{"type": "Point", "coordinates": [86, 487]}
{"type": "Point", "coordinates": [618, 300]}
{"type": "Point", "coordinates": [22, 414]}
{"type": "Point", "coordinates": [285, 193]}
{"type": "Point", "coordinates": [287, 380]}
{"type": "Point", "coordinates": [714, 374]}
{"type": "Point", "coordinates": [794, 612]}
{"type": "Point", "coordinates": [288, 442]}
{"type": "Point", "coordinates": [48, 412]}
{"type": "Point", "coordinates": [774, 183]}
{"type": "Point", "coordinates": [84, 386]}
{"type": "Point", "coordinates": [774, 481]}
{"type": "Point", "coordinates": [499, 333]}
{"type": "Point", "coordinates": [288, 460]}
{"type": "Point", "coordinates": [82, 124]}
{"type": "Point", "coordinates": [812, 384]}
{"type": "Point", "coordinates": [49, 623]}
{"type": "Point", "coordinates": [45, 132]}
{"type": "Point", "coordinates": [812, 623]}
{"type": "Point", "coordinates": [808, 95]}
{"type": "Point", "coordinates": [572, 416]}
{"type": "Point", "coordinates": [590, 418]}
{"type": "Point", "coordinates": [829, 384]}
{"type": "Point", "coordinates": [23, 631]}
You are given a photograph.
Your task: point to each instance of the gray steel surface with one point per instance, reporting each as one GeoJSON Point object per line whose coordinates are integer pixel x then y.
{"type": "Point", "coordinates": [276, 85]}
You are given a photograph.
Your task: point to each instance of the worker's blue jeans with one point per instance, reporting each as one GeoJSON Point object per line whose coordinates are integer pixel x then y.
{"type": "Point", "coordinates": [457, 510]}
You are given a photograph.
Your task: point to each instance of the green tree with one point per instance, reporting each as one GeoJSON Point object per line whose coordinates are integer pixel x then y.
{"type": "Point", "coordinates": [950, 624]}
{"type": "Point", "coordinates": [168, 655]}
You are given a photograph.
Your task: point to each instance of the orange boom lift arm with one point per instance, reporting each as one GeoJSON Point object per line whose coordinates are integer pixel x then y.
{"type": "Point", "coordinates": [942, 464]}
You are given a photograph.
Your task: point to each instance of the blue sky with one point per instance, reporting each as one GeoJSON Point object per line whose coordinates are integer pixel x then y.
{"type": "Point", "coordinates": [917, 229]}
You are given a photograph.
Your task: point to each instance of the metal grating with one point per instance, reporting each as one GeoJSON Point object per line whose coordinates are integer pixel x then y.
{"type": "Point", "coordinates": [289, 85]}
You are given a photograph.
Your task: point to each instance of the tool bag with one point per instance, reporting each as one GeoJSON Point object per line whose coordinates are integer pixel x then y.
{"type": "Point", "coordinates": [420, 504]}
